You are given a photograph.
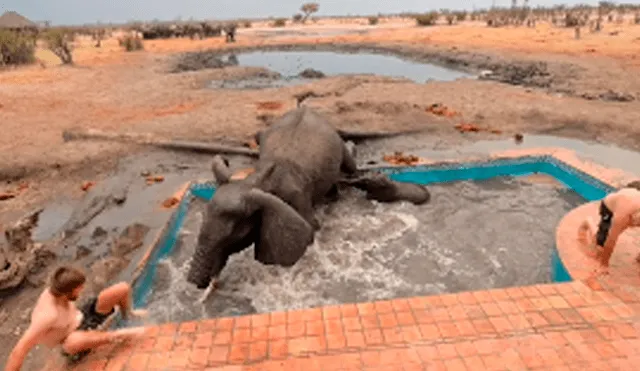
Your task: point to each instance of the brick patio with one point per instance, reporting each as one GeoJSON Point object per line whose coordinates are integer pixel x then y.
{"type": "Point", "coordinates": [588, 324]}
{"type": "Point", "coordinates": [546, 327]}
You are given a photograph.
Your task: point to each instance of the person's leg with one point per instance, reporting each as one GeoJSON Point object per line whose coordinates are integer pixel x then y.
{"type": "Point", "coordinates": [79, 341]}
{"type": "Point", "coordinates": [116, 295]}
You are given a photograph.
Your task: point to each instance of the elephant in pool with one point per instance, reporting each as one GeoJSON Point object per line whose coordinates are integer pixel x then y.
{"type": "Point", "coordinates": [302, 161]}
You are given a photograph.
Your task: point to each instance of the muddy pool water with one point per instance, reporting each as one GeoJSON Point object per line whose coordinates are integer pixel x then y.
{"type": "Point", "coordinates": [290, 63]}
{"type": "Point", "coordinates": [473, 235]}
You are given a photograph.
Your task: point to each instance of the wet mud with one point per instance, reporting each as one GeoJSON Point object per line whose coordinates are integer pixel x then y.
{"type": "Point", "coordinates": [471, 236]}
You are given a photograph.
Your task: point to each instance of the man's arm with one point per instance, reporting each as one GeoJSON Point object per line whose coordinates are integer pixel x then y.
{"type": "Point", "coordinates": [28, 340]}
{"type": "Point", "coordinates": [617, 227]}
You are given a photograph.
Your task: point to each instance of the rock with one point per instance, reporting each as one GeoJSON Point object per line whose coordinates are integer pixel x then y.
{"type": "Point", "coordinates": [87, 185]}
{"type": "Point", "coordinates": [130, 239]}
{"type": "Point", "coordinates": [82, 251]}
{"type": "Point", "coordinates": [7, 196]}
{"type": "Point", "coordinates": [612, 96]}
{"type": "Point", "coordinates": [310, 73]}
{"type": "Point", "coordinates": [170, 202]}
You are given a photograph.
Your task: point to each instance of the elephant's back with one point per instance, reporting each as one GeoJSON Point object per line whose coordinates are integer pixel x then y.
{"type": "Point", "coordinates": [305, 138]}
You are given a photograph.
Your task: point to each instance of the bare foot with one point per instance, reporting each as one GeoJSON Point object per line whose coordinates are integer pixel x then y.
{"type": "Point", "coordinates": [139, 313]}
{"type": "Point", "coordinates": [128, 333]}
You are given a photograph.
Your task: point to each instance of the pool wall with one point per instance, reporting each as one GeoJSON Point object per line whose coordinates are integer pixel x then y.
{"type": "Point", "coordinates": [587, 186]}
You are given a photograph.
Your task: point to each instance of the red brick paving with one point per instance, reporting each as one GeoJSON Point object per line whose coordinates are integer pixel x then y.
{"type": "Point", "coordinates": [588, 324]}
{"type": "Point", "coordinates": [570, 327]}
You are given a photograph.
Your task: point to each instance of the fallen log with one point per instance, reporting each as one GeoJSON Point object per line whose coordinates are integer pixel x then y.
{"type": "Point", "coordinates": [150, 140]}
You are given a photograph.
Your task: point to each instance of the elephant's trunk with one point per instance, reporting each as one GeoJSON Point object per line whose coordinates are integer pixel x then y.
{"type": "Point", "coordinates": [200, 269]}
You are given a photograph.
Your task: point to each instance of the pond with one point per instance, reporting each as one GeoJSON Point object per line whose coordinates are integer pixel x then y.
{"type": "Point", "coordinates": [291, 63]}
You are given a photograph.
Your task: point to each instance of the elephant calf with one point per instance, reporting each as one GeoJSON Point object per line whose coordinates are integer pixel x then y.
{"type": "Point", "coordinates": [302, 161]}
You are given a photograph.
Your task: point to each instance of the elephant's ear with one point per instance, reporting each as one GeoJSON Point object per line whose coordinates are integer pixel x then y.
{"type": "Point", "coordinates": [220, 169]}
{"type": "Point", "coordinates": [284, 234]}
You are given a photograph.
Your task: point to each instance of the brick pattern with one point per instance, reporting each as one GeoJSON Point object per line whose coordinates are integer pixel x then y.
{"type": "Point", "coordinates": [546, 327]}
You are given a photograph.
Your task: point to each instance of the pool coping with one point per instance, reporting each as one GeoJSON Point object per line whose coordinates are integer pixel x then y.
{"type": "Point", "coordinates": [587, 305]}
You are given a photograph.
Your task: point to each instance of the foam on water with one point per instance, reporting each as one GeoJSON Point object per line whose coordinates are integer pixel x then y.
{"type": "Point", "coordinates": [473, 235]}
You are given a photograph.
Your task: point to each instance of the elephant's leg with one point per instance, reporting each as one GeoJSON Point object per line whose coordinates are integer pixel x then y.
{"type": "Point", "coordinates": [348, 158]}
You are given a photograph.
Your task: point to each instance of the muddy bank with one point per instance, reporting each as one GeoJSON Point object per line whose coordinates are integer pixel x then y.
{"type": "Point", "coordinates": [556, 77]}
{"type": "Point", "coordinates": [106, 231]}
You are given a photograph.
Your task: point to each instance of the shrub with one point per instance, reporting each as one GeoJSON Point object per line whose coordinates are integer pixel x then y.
{"type": "Point", "coordinates": [246, 24]}
{"type": "Point", "coordinates": [374, 21]}
{"type": "Point", "coordinates": [131, 43]}
{"type": "Point", "coordinates": [297, 17]}
{"type": "Point", "coordinates": [280, 22]}
{"type": "Point", "coordinates": [450, 19]}
{"type": "Point", "coordinates": [461, 16]}
{"type": "Point", "coordinates": [59, 42]}
{"type": "Point", "coordinates": [428, 19]}
{"type": "Point", "coordinates": [16, 49]}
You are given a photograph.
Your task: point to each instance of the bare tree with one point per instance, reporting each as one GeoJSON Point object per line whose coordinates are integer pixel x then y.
{"type": "Point", "coordinates": [308, 9]}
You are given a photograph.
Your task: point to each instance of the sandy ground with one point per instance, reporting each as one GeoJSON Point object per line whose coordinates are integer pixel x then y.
{"type": "Point", "coordinates": [567, 94]}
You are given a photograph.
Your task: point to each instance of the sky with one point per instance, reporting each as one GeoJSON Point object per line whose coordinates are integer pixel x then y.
{"type": "Point", "coordinates": [119, 11]}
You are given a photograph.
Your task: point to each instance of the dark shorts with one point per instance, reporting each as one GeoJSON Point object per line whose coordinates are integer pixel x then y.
{"type": "Point", "coordinates": [90, 321]}
{"type": "Point", "coordinates": [606, 217]}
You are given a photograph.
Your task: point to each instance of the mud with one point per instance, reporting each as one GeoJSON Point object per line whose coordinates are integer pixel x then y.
{"type": "Point", "coordinates": [462, 240]}
{"type": "Point", "coordinates": [555, 77]}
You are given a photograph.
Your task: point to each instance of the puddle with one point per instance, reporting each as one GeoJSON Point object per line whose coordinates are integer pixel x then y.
{"type": "Point", "coordinates": [290, 63]}
{"type": "Point", "coordinates": [472, 236]}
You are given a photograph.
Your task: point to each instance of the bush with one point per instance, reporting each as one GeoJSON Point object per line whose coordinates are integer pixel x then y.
{"type": "Point", "coordinates": [461, 16]}
{"type": "Point", "coordinates": [16, 49]}
{"type": "Point", "coordinates": [428, 19]}
{"type": "Point", "coordinates": [131, 43]}
{"type": "Point", "coordinates": [374, 21]}
{"type": "Point", "coordinates": [450, 19]}
{"type": "Point", "coordinates": [59, 42]}
{"type": "Point", "coordinates": [246, 24]}
{"type": "Point", "coordinates": [280, 22]}
{"type": "Point", "coordinates": [297, 17]}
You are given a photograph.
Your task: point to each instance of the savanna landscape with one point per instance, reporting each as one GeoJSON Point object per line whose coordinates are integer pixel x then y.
{"type": "Point", "coordinates": [561, 71]}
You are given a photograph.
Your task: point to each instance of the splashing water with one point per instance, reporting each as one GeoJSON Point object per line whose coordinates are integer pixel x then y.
{"type": "Point", "coordinates": [473, 235]}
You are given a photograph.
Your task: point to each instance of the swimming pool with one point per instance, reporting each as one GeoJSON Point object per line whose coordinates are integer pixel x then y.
{"type": "Point", "coordinates": [587, 187]}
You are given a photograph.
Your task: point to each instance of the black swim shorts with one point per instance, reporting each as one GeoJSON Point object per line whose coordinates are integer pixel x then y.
{"type": "Point", "coordinates": [606, 217]}
{"type": "Point", "coordinates": [91, 320]}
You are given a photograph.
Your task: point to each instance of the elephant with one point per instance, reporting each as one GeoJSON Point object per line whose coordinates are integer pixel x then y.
{"type": "Point", "coordinates": [380, 188]}
{"type": "Point", "coordinates": [302, 160]}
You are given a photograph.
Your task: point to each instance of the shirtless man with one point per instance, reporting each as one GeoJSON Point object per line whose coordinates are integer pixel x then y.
{"type": "Point", "coordinates": [56, 320]}
{"type": "Point", "coordinates": [618, 211]}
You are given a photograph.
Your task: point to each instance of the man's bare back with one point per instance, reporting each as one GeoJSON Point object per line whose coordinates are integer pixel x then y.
{"type": "Point", "coordinates": [57, 321]}
{"type": "Point", "coordinates": [618, 211]}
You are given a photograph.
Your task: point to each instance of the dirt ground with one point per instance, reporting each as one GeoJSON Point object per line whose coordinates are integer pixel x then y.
{"type": "Point", "coordinates": [544, 82]}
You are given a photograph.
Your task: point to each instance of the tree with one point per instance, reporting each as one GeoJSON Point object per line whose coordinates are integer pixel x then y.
{"type": "Point", "coordinates": [308, 9]}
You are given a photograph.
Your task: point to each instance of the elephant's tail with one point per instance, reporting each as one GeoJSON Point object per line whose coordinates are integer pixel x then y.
{"type": "Point", "coordinates": [356, 136]}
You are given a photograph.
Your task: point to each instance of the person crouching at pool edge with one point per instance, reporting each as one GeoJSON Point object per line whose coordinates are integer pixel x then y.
{"type": "Point", "coordinates": [56, 321]}
{"type": "Point", "coordinates": [618, 211]}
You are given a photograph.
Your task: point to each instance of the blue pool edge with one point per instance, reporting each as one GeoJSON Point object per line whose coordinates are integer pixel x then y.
{"type": "Point", "coordinates": [587, 186]}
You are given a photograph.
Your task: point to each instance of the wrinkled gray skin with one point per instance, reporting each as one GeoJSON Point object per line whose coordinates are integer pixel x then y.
{"type": "Point", "coordinates": [302, 157]}
{"type": "Point", "coordinates": [302, 161]}
{"type": "Point", "coordinates": [380, 188]}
